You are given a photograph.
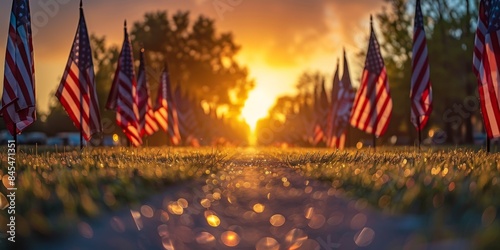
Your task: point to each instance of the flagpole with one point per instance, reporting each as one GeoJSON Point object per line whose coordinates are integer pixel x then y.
{"type": "Point", "coordinates": [374, 130]}
{"type": "Point", "coordinates": [419, 133]}
{"type": "Point", "coordinates": [81, 120]}
{"type": "Point", "coordinates": [81, 98]}
{"type": "Point", "coordinates": [81, 125]}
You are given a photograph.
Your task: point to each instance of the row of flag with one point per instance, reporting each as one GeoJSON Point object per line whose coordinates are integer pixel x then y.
{"type": "Point", "coordinates": [331, 115]}
{"type": "Point", "coordinates": [129, 96]}
{"type": "Point", "coordinates": [369, 109]}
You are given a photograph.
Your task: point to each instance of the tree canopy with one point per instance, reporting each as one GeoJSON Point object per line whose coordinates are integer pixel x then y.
{"type": "Point", "coordinates": [200, 59]}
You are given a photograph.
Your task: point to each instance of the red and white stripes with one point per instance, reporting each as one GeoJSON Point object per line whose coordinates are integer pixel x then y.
{"type": "Point", "coordinates": [373, 104]}
{"type": "Point", "coordinates": [165, 110]}
{"type": "Point", "coordinates": [123, 95]}
{"type": "Point", "coordinates": [18, 99]}
{"type": "Point", "coordinates": [76, 91]}
{"type": "Point", "coordinates": [421, 90]}
{"type": "Point", "coordinates": [147, 122]}
{"type": "Point", "coordinates": [485, 66]}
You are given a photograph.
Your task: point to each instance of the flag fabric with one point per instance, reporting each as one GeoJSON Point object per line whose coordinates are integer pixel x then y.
{"type": "Point", "coordinates": [486, 64]}
{"type": "Point", "coordinates": [421, 89]}
{"type": "Point", "coordinates": [187, 118]}
{"type": "Point", "coordinates": [321, 112]}
{"type": "Point", "coordinates": [334, 95]}
{"type": "Point", "coordinates": [372, 108]}
{"type": "Point", "coordinates": [165, 110]}
{"type": "Point", "coordinates": [147, 122]}
{"type": "Point", "coordinates": [481, 30]}
{"type": "Point", "coordinates": [342, 112]}
{"type": "Point", "coordinates": [76, 91]}
{"type": "Point", "coordinates": [18, 99]}
{"type": "Point", "coordinates": [338, 141]}
{"type": "Point", "coordinates": [123, 94]}
{"type": "Point", "coordinates": [161, 108]}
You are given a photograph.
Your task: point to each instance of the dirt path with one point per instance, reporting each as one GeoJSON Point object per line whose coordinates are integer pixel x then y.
{"type": "Point", "coordinates": [255, 202]}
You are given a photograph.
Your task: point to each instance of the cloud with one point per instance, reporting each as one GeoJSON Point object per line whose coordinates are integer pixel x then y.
{"type": "Point", "coordinates": [289, 33]}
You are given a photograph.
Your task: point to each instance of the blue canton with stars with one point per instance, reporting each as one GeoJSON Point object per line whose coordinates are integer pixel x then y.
{"type": "Point", "coordinates": [374, 61]}
{"type": "Point", "coordinates": [419, 20]}
{"type": "Point", "coordinates": [81, 53]}
{"type": "Point", "coordinates": [127, 63]}
{"type": "Point", "coordinates": [493, 13]}
{"type": "Point", "coordinates": [22, 11]}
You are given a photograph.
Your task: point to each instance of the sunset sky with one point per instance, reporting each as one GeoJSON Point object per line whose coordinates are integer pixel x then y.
{"type": "Point", "coordinates": [280, 39]}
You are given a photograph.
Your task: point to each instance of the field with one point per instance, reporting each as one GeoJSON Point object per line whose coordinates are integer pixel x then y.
{"type": "Point", "coordinates": [441, 197]}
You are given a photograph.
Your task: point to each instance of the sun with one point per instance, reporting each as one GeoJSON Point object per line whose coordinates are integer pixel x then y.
{"type": "Point", "coordinates": [257, 106]}
{"type": "Point", "coordinates": [271, 83]}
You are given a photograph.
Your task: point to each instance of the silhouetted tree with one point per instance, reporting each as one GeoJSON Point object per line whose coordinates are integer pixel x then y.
{"type": "Point", "coordinates": [199, 57]}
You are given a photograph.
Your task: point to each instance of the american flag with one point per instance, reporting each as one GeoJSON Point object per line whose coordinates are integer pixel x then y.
{"type": "Point", "coordinates": [343, 108]}
{"type": "Point", "coordinates": [165, 110]}
{"type": "Point", "coordinates": [486, 67]}
{"type": "Point", "coordinates": [76, 91]}
{"type": "Point", "coordinates": [18, 99]}
{"type": "Point", "coordinates": [333, 106]}
{"type": "Point", "coordinates": [321, 112]}
{"type": "Point", "coordinates": [372, 108]}
{"type": "Point", "coordinates": [421, 90]}
{"type": "Point", "coordinates": [123, 94]}
{"type": "Point", "coordinates": [147, 122]}
{"type": "Point", "coordinates": [187, 118]}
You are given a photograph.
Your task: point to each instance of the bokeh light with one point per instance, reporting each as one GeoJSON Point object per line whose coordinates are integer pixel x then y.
{"type": "Point", "coordinates": [258, 208]}
{"type": "Point", "coordinates": [205, 238]}
{"type": "Point", "coordinates": [267, 243]}
{"type": "Point", "coordinates": [213, 220]}
{"type": "Point", "coordinates": [277, 220]}
{"type": "Point", "coordinates": [230, 238]}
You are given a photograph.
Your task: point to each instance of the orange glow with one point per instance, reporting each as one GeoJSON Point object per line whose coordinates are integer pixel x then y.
{"type": "Point", "coordinates": [258, 208]}
{"type": "Point", "coordinates": [257, 107]}
{"type": "Point", "coordinates": [213, 220]}
{"type": "Point", "coordinates": [275, 50]}
{"type": "Point", "coordinates": [271, 82]}
{"type": "Point", "coordinates": [230, 238]}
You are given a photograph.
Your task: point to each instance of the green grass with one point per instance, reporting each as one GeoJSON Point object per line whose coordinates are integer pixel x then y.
{"type": "Point", "coordinates": [455, 192]}
{"type": "Point", "coordinates": [57, 189]}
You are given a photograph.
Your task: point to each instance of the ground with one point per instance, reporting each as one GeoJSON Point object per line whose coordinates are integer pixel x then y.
{"type": "Point", "coordinates": [255, 200]}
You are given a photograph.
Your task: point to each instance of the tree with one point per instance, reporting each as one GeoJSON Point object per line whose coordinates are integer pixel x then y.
{"type": "Point", "coordinates": [199, 58]}
{"type": "Point", "coordinates": [396, 41]}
